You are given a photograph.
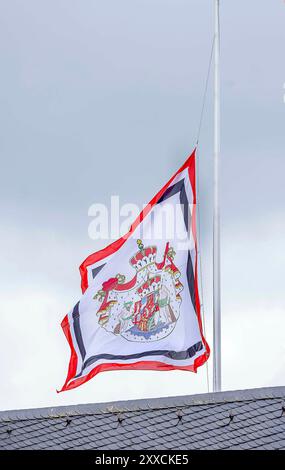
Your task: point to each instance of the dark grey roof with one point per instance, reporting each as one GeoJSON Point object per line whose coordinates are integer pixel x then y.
{"type": "Point", "coordinates": [246, 419]}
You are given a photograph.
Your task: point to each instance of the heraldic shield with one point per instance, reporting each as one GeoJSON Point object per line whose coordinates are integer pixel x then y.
{"type": "Point", "coordinates": [147, 307]}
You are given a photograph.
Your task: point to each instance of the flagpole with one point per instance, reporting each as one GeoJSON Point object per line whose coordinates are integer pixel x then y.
{"type": "Point", "coordinates": [216, 217]}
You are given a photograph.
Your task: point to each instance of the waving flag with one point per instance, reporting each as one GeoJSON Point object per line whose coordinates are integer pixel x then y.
{"type": "Point", "coordinates": [140, 307]}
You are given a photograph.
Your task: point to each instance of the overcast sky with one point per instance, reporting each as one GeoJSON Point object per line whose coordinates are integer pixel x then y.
{"type": "Point", "coordinates": [102, 98]}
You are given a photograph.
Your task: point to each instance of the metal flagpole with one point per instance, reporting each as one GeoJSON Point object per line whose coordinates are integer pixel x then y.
{"type": "Point", "coordinates": [216, 219]}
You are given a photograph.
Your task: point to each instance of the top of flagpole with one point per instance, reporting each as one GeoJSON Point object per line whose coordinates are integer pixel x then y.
{"type": "Point", "coordinates": [216, 217]}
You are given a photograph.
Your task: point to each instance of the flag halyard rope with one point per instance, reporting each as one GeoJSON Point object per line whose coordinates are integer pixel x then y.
{"type": "Point", "coordinates": [205, 91]}
{"type": "Point", "coordinates": [198, 198]}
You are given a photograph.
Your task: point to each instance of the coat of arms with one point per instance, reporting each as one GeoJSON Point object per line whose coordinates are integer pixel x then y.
{"type": "Point", "coordinates": [145, 308]}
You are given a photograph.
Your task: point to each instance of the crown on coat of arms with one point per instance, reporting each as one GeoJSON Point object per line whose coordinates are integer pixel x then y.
{"type": "Point", "coordinates": [151, 285]}
{"type": "Point", "coordinates": [144, 256]}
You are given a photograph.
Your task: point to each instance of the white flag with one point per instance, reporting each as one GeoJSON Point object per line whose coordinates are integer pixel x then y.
{"type": "Point", "coordinates": [140, 307]}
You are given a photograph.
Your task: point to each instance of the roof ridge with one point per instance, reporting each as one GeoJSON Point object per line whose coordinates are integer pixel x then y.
{"type": "Point", "coordinates": [144, 404]}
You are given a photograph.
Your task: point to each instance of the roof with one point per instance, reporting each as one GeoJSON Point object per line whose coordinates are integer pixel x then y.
{"type": "Point", "coordinates": [245, 419]}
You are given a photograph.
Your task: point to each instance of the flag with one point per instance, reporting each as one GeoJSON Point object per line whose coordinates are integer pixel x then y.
{"type": "Point", "coordinates": [140, 306]}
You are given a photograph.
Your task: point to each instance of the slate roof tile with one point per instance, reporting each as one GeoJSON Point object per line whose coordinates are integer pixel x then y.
{"type": "Point", "coordinates": [245, 419]}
